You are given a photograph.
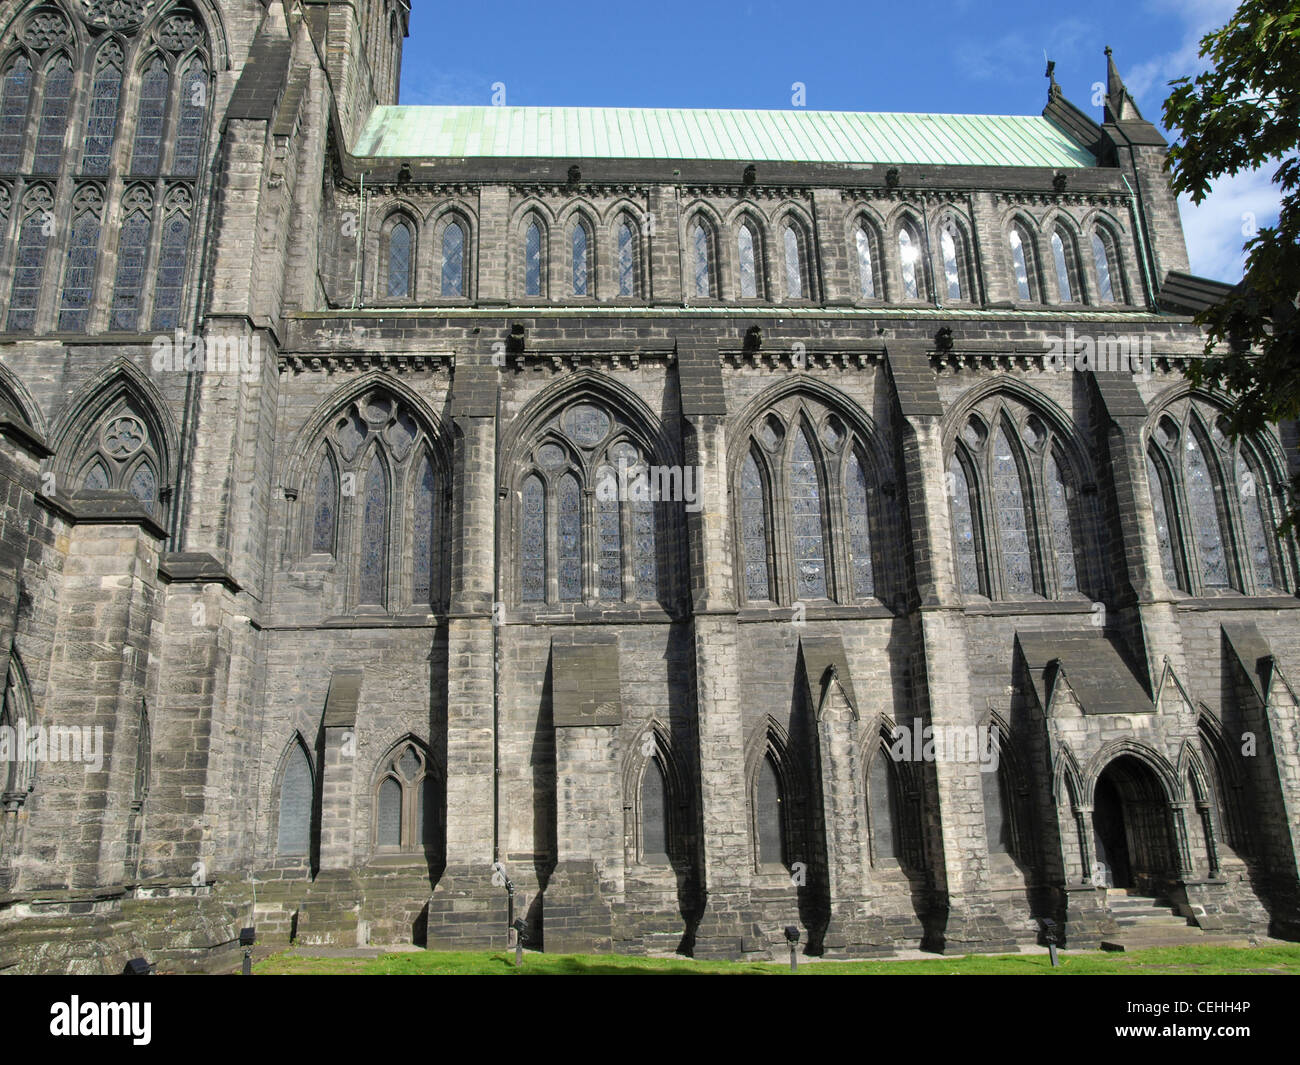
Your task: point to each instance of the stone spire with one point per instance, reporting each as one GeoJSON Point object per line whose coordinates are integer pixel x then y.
{"type": "Point", "coordinates": [1120, 106]}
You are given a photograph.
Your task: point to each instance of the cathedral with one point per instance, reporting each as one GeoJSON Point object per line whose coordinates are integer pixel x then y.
{"type": "Point", "coordinates": [644, 531]}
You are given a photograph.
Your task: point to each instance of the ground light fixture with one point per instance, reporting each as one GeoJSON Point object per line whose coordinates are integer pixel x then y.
{"type": "Point", "coordinates": [247, 937]}
{"type": "Point", "coordinates": [792, 937]}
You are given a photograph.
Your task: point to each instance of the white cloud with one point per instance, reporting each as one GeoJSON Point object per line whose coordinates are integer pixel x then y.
{"type": "Point", "coordinates": [1217, 229]}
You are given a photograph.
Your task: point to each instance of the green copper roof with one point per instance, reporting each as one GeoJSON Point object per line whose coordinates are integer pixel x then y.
{"type": "Point", "coordinates": [795, 136]}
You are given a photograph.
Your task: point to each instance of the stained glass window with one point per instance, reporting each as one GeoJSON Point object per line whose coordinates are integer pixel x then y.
{"type": "Point", "coordinates": [533, 260]}
{"type": "Point", "coordinates": [399, 261]}
{"type": "Point", "coordinates": [626, 261]}
{"type": "Point", "coordinates": [1012, 519]}
{"type": "Point", "coordinates": [171, 271]}
{"type": "Point", "coordinates": [101, 119]}
{"type": "Point", "coordinates": [753, 520]}
{"type": "Point", "coordinates": [1164, 535]}
{"type": "Point", "coordinates": [645, 568]}
{"type": "Point", "coordinates": [96, 479]}
{"type": "Point", "coordinates": [79, 274]}
{"type": "Point", "coordinates": [866, 272]}
{"type": "Point", "coordinates": [909, 253]}
{"type": "Point", "coordinates": [14, 94]}
{"type": "Point", "coordinates": [654, 815]}
{"type": "Point", "coordinates": [951, 271]}
{"type": "Point", "coordinates": [390, 814]}
{"type": "Point", "coordinates": [793, 266]}
{"type": "Point", "coordinates": [806, 522]}
{"type": "Point", "coordinates": [144, 485]}
{"type": "Point", "coordinates": [569, 530]}
{"type": "Point", "coordinates": [28, 271]}
{"type": "Point", "coordinates": [56, 97]}
{"type": "Point", "coordinates": [1062, 267]}
{"type": "Point", "coordinates": [963, 528]}
{"type": "Point", "coordinates": [132, 251]}
{"type": "Point", "coordinates": [1101, 255]}
{"type": "Point", "coordinates": [748, 268]}
{"type": "Point", "coordinates": [855, 498]}
{"type": "Point", "coordinates": [703, 264]}
{"type": "Point", "coordinates": [453, 260]}
{"type": "Point", "coordinates": [609, 540]}
{"type": "Point", "coordinates": [1204, 515]}
{"type": "Point", "coordinates": [997, 825]}
{"type": "Point", "coordinates": [533, 550]}
{"type": "Point", "coordinates": [374, 536]}
{"type": "Point", "coordinates": [1252, 491]}
{"type": "Point", "coordinates": [155, 87]}
{"type": "Point", "coordinates": [422, 534]}
{"type": "Point", "coordinates": [189, 126]}
{"type": "Point", "coordinates": [324, 507]}
{"type": "Point", "coordinates": [884, 817]}
{"type": "Point", "coordinates": [580, 260]}
{"type": "Point", "coordinates": [296, 800]}
{"type": "Point", "coordinates": [1018, 263]}
{"type": "Point", "coordinates": [770, 816]}
{"type": "Point", "coordinates": [1058, 514]}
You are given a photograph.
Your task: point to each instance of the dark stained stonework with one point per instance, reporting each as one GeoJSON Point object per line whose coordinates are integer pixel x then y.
{"type": "Point", "coordinates": [358, 618]}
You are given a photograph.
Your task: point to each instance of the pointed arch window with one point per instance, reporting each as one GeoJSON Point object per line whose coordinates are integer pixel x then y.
{"type": "Point", "coordinates": [15, 94]}
{"type": "Point", "coordinates": [806, 521]}
{"type": "Point", "coordinates": [655, 815]}
{"type": "Point", "coordinates": [56, 100]}
{"type": "Point", "coordinates": [29, 270]}
{"type": "Point", "coordinates": [963, 528]}
{"type": "Point", "coordinates": [1059, 499]}
{"type": "Point", "coordinates": [155, 88]}
{"type": "Point", "coordinates": [79, 273]}
{"type": "Point", "coordinates": [132, 252]}
{"type": "Point", "coordinates": [882, 811]}
{"type": "Point", "coordinates": [374, 536]}
{"type": "Point", "coordinates": [747, 250]}
{"type": "Point", "coordinates": [170, 284]}
{"type": "Point", "coordinates": [569, 531]}
{"type": "Point", "coordinates": [533, 259]}
{"type": "Point", "coordinates": [859, 528]}
{"type": "Point", "coordinates": [1023, 267]}
{"type": "Point", "coordinates": [1013, 520]}
{"type": "Point", "coordinates": [626, 258]}
{"type": "Point", "coordinates": [1252, 491]}
{"type": "Point", "coordinates": [754, 540]}
{"type": "Point", "coordinates": [866, 262]}
{"type": "Point", "coordinates": [609, 533]}
{"type": "Point", "coordinates": [950, 246]}
{"type": "Point", "coordinates": [422, 548]}
{"type": "Point", "coordinates": [296, 800]}
{"type": "Point", "coordinates": [1207, 530]}
{"type": "Point", "coordinates": [770, 816]}
{"type": "Point", "coordinates": [407, 803]}
{"type": "Point", "coordinates": [1104, 259]}
{"type": "Point", "coordinates": [453, 260]}
{"type": "Point", "coordinates": [120, 452]}
{"type": "Point", "coordinates": [702, 260]}
{"type": "Point", "coordinates": [910, 262]}
{"type": "Point", "coordinates": [325, 503]}
{"type": "Point", "coordinates": [998, 827]}
{"type": "Point", "coordinates": [192, 112]}
{"type": "Point", "coordinates": [400, 260]}
{"type": "Point", "coordinates": [1164, 531]}
{"type": "Point", "coordinates": [1063, 261]}
{"type": "Point", "coordinates": [794, 263]}
{"type": "Point", "coordinates": [533, 541]}
{"type": "Point", "coordinates": [101, 117]}
{"type": "Point", "coordinates": [580, 242]}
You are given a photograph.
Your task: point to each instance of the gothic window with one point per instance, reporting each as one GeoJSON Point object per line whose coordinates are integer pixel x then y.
{"type": "Point", "coordinates": [56, 100]}
{"type": "Point", "coordinates": [883, 811]}
{"type": "Point", "coordinates": [655, 815]}
{"type": "Point", "coordinates": [580, 243]}
{"type": "Point", "coordinates": [1017, 512]}
{"type": "Point", "coordinates": [29, 269]}
{"type": "Point", "coordinates": [1063, 259]}
{"type": "Point", "coordinates": [626, 259]}
{"type": "Point", "coordinates": [1023, 266]}
{"type": "Point", "coordinates": [374, 536]}
{"type": "Point", "coordinates": [79, 273]}
{"type": "Point", "coordinates": [1160, 511]}
{"type": "Point", "coordinates": [325, 502]}
{"type": "Point", "coordinates": [15, 711]}
{"type": "Point", "coordinates": [590, 509]}
{"type": "Point", "coordinates": [423, 557]}
{"type": "Point", "coordinates": [702, 272]}
{"type": "Point", "coordinates": [911, 262]}
{"type": "Point", "coordinates": [1252, 490]}
{"type": "Point", "coordinates": [998, 828]}
{"type": "Point", "coordinates": [297, 797]}
{"type": "Point", "coordinates": [407, 803]}
{"type": "Point", "coordinates": [155, 87]}
{"type": "Point", "coordinates": [770, 816]}
{"type": "Point", "coordinates": [864, 245]}
{"type": "Point", "coordinates": [796, 263]}
{"type": "Point", "coordinates": [747, 250]}
{"type": "Point", "coordinates": [1103, 256]}
{"type": "Point", "coordinates": [399, 261]}
{"type": "Point", "coordinates": [119, 452]}
{"type": "Point", "coordinates": [533, 259]}
{"type": "Point", "coordinates": [132, 251]}
{"type": "Point", "coordinates": [1207, 531]}
{"type": "Point", "coordinates": [453, 260]}
{"type": "Point", "coordinates": [15, 91]}
{"type": "Point", "coordinates": [192, 111]}
{"type": "Point", "coordinates": [819, 544]}
{"type": "Point", "coordinates": [170, 283]}
{"type": "Point", "coordinates": [956, 272]}
{"type": "Point", "coordinates": [101, 117]}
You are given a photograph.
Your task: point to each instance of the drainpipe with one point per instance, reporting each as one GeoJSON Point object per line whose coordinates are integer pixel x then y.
{"type": "Point", "coordinates": [361, 214]}
{"type": "Point", "coordinates": [1139, 228]}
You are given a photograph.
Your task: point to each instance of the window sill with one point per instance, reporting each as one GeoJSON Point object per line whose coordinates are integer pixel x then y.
{"type": "Point", "coordinates": [826, 611]}
{"type": "Point", "coordinates": [1237, 601]}
{"type": "Point", "coordinates": [585, 614]}
{"type": "Point", "coordinates": [1007, 607]}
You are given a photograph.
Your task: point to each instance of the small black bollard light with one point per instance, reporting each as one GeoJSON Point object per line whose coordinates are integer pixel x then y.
{"type": "Point", "coordinates": [137, 967]}
{"type": "Point", "coordinates": [247, 937]}
{"type": "Point", "coordinates": [520, 939]}
{"type": "Point", "coordinates": [1051, 935]}
{"type": "Point", "coordinates": [792, 937]}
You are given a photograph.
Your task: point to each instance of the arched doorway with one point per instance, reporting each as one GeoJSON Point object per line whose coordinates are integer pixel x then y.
{"type": "Point", "coordinates": [1130, 822]}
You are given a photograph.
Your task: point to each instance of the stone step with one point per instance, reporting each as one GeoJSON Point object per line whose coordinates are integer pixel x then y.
{"type": "Point", "coordinates": [1180, 938]}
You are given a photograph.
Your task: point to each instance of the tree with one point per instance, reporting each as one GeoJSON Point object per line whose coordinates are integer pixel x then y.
{"type": "Point", "coordinates": [1242, 114]}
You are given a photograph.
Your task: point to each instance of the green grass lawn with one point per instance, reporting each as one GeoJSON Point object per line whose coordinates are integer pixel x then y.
{"type": "Point", "coordinates": [1275, 960]}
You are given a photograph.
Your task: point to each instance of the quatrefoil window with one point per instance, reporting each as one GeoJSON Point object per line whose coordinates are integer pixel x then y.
{"type": "Point", "coordinates": [124, 436]}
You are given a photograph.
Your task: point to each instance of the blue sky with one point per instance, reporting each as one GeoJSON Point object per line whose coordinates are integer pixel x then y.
{"type": "Point", "coordinates": [962, 56]}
